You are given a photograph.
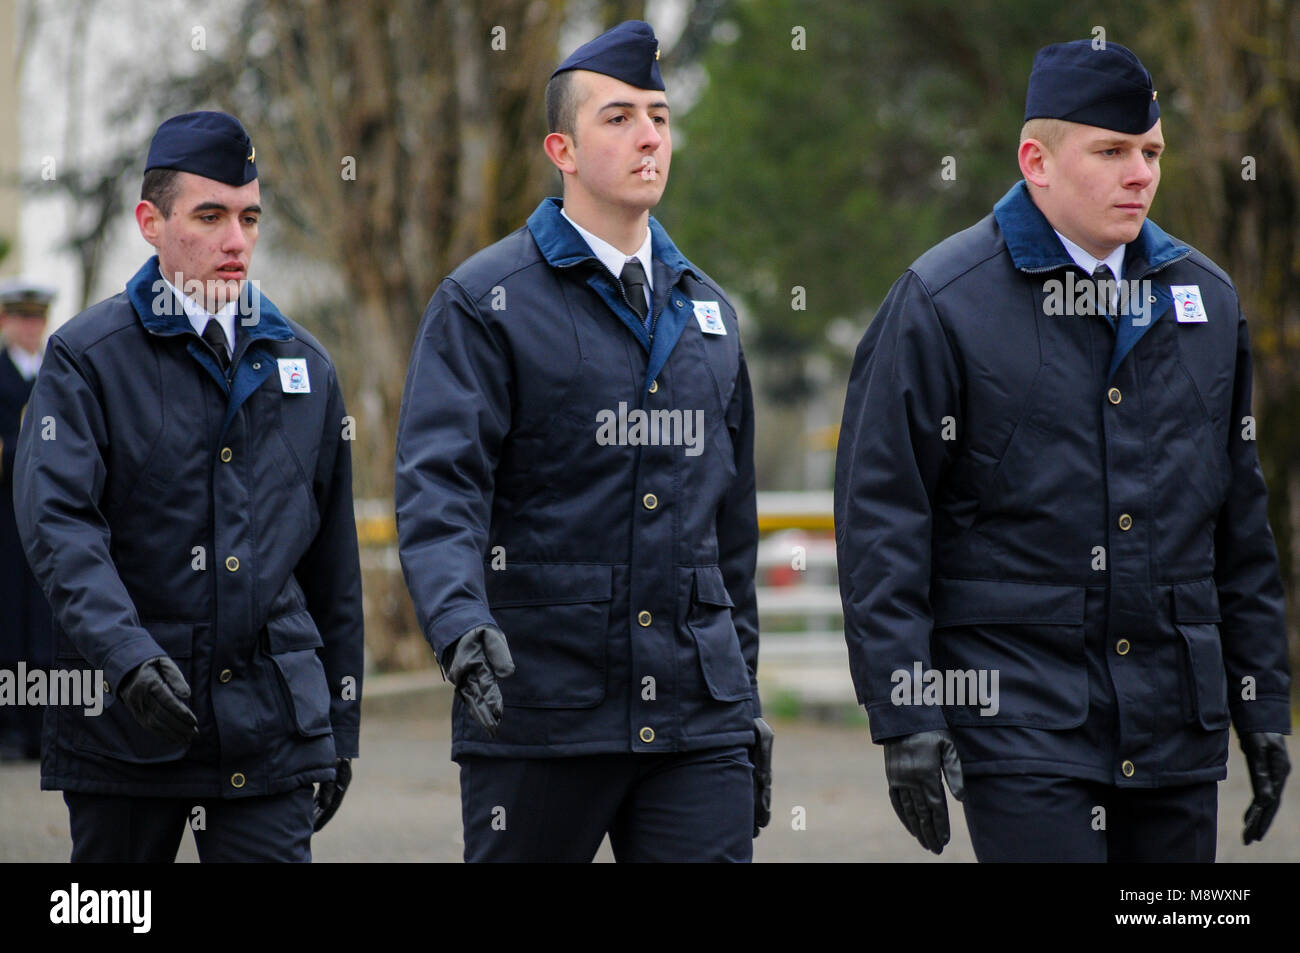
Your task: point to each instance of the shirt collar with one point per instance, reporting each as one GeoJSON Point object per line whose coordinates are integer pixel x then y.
{"type": "Point", "coordinates": [1114, 261]}
{"type": "Point", "coordinates": [1029, 239]}
{"type": "Point", "coordinates": [199, 316]}
{"type": "Point", "coordinates": [611, 257]}
{"type": "Point", "coordinates": [26, 362]}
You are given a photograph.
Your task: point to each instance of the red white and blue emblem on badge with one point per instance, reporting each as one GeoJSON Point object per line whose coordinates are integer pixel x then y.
{"type": "Point", "coordinates": [709, 316]}
{"type": "Point", "coordinates": [1187, 304]}
{"type": "Point", "coordinates": [293, 375]}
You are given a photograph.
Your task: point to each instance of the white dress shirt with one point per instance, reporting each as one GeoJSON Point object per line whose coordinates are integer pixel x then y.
{"type": "Point", "coordinates": [1114, 261]}
{"type": "Point", "coordinates": [614, 260]}
{"type": "Point", "coordinates": [28, 364]}
{"type": "Point", "coordinates": [199, 316]}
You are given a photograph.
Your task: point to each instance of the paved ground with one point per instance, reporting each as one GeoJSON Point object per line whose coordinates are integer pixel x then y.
{"type": "Point", "coordinates": [404, 803]}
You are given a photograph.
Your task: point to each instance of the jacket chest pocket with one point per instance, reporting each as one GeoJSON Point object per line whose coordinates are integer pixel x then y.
{"type": "Point", "coordinates": [703, 370]}
{"type": "Point", "coordinates": [555, 617]}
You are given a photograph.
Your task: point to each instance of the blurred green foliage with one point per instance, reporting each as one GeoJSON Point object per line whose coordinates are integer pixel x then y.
{"type": "Point", "coordinates": [822, 168]}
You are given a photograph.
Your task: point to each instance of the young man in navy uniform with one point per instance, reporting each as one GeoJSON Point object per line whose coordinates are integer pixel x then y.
{"type": "Point", "coordinates": [576, 509]}
{"type": "Point", "coordinates": [24, 614]}
{"type": "Point", "coordinates": [184, 495]}
{"type": "Point", "coordinates": [1060, 488]}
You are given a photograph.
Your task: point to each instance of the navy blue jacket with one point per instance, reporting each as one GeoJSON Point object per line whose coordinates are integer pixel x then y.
{"type": "Point", "coordinates": [1076, 506]}
{"type": "Point", "coordinates": [621, 572]}
{"type": "Point", "coordinates": [169, 510]}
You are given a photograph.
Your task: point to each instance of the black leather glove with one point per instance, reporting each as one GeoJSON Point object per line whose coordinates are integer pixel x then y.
{"type": "Point", "coordinates": [474, 662]}
{"type": "Point", "coordinates": [913, 765]}
{"type": "Point", "coordinates": [155, 694]}
{"type": "Point", "coordinates": [329, 794]}
{"type": "Point", "coordinates": [761, 755]}
{"type": "Point", "coordinates": [1267, 761]}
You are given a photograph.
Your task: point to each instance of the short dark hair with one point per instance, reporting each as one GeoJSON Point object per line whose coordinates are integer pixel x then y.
{"type": "Point", "coordinates": [562, 104]}
{"type": "Point", "coordinates": [160, 187]}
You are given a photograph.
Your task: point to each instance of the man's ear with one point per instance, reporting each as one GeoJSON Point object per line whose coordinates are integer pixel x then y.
{"type": "Point", "coordinates": [1034, 159]}
{"type": "Point", "coordinates": [149, 217]}
{"type": "Point", "coordinates": [559, 148]}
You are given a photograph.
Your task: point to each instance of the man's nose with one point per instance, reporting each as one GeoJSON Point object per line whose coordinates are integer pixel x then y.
{"type": "Point", "coordinates": [233, 238]}
{"type": "Point", "coordinates": [1138, 172]}
{"type": "Point", "coordinates": [650, 138]}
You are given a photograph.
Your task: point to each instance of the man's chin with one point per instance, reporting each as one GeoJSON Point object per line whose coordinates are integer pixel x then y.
{"type": "Point", "coordinates": [219, 292]}
{"type": "Point", "coordinates": [648, 198]}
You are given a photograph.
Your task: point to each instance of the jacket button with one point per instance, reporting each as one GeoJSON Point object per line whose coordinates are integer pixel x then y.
{"type": "Point", "coordinates": [680, 303]}
{"type": "Point", "coordinates": [654, 386]}
{"type": "Point", "coordinates": [257, 365]}
{"type": "Point", "coordinates": [226, 675]}
{"type": "Point", "coordinates": [1127, 768]}
{"type": "Point", "coordinates": [226, 454]}
{"type": "Point", "coordinates": [237, 780]}
{"type": "Point", "coordinates": [644, 618]}
{"type": "Point", "coordinates": [232, 563]}
{"type": "Point", "coordinates": [1122, 647]}
{"type": "Point", "coordinates": [650, 501]}
{"type": "Point", "coordinates": [1113, 395]}
{"type": "Point", "coordinates": [647, 735]}
{"type": "Point", "coordinates": [1125, 522]}
{"type": "Point", "coordinates": [107, 689]}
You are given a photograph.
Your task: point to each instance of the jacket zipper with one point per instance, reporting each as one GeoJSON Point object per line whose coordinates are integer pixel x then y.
{"type": "Point", "coordinates": [654, 318]}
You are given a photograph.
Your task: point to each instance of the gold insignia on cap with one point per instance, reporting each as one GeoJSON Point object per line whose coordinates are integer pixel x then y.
{"type": "Point", "coordinates": [656, 51]}
{"type": "Point", "coordinates": [252, 154]}
{"type": "Point", "coordinates": [1153, 95]}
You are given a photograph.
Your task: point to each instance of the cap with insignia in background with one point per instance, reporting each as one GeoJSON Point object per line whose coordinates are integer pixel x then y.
{"type": "Point", "coordinates": [1106, 87]}
{"type": "Point", "coordinates": [18, 296]}
{"type": "Point", "coordinates": [211, 144]}
{"type": "Point", "coordinates": [628, 52]}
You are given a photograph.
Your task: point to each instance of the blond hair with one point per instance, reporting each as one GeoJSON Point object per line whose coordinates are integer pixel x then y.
{"type": "Point", "coordinates": [1050, 132]}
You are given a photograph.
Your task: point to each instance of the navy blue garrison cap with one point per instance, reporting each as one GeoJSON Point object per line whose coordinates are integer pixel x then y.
{"type": "Point", "coordinates": [1109, 87]}
{"type": "Point", "coordinates": [211, 144]}
{"type": "Point", "coordinates": [628, 52]}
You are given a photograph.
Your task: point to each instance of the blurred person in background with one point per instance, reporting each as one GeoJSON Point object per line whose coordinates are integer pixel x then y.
{"type": "Point", "coordinates": [25, 634]}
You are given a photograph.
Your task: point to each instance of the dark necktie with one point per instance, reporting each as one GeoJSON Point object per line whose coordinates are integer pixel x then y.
{"type": "Point", "coordinates": [634, 285]}
{"type": "Point", "coordinates": [216, 339]}
{"type": "Point", "coordinates": [1105, 280]}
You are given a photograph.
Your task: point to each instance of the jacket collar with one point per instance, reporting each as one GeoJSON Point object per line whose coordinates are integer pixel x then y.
{"type": "Point", "coordinates": [562, 246]}
{"type": "Point", "coordinates": [259, 317]}
{"type": "Point", "coordinates": [1033, 244]}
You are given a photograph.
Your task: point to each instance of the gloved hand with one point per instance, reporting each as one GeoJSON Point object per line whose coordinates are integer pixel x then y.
{"type": "Point", "coordinates": [474, 662]}
{"type": "Point", "coordinates": [1268, 764]}
{"type": "Point", "coordinates": [329, 794]}
{"type": "Point", "coordinates": [155, 694]}
{"type": "Point", "coordinates": [760, 753]}
{"type": "Point", "coordinates": [912, 765]}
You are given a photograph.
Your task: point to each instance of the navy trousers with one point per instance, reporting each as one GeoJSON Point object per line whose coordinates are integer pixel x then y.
{"type": "Point", "coordinates": [1041, 818]}
{"type": "Point", "coordinates": [108, 828]}
{"type": "Point", "coordinates": [696, 806]}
